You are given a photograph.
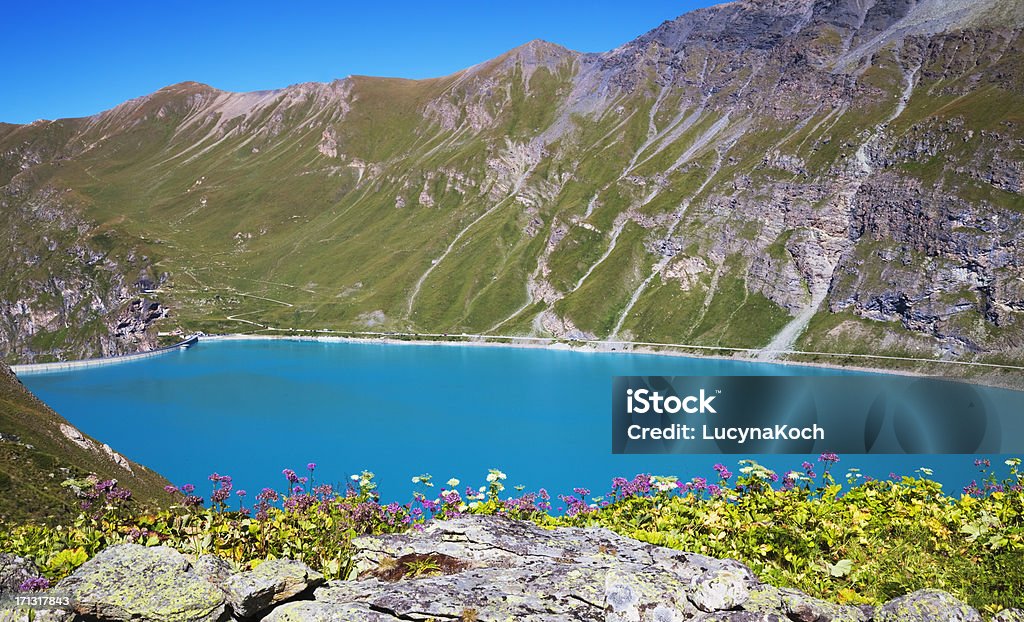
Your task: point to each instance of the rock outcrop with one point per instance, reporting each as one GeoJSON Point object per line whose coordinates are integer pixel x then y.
{"type": "Point", "coordinates": [133, 582]}
{"type": "Point", "coordinates": [926, 605]}
{"type": "Point", "coordinates": [159, 584]}
{"type": "Point", "coordinates": [14, 571]}
{"type": "Point", "coordinates": [256, 591]}
{"type": "Point", "coordinates": [471, 569]}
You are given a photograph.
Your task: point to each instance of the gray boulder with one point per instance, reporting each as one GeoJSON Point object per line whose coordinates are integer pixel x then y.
{"type": "Point", "coordinates": [799, 607]}
{"type": "Point", "coordinates": [133, 582]}
{"type": "Point", "coordinates": [253, 592]}
{"type": "Point", "coordinates": [13, 572]}
{"type": "Point", "coordinates": [720, 590]}
{"type": "Point", "coordinates": [39, 615]}
{"type": "Point", "coordinates": [216, 570]}
{"type": "Point", "coordinates": [742, 616]}
{"type": "Point", "coordinates": [310, 611]}
{"type": "Point", "coordinates": [1009, 615]}
{"type": "Point", "coordinates": [488, 568]}
{"type": "Point", "coordinates": [927, 606]}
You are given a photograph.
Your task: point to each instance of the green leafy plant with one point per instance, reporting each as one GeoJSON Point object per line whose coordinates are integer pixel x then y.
{"type": "Point", "coordinates": [865, 542]}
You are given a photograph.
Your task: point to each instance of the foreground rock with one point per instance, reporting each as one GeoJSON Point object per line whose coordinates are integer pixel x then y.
{"type": "Point", "coordinates": [924, 606]}
{"type": "Point", "coordinates": [488, 568]}
{"type": "Point", "coordinates": [39, 615]}
{"type": "Point", "coordinates": [317, 611]}
{"type": "Point", "coordinates": [499, 569]}
{"type": "Point", "coordinates": [473, 569]}
{"type": "Point", "coordinates": [251, 593]}
{"type": "Point", "coordinates": [13, 572]}
{"type": "Point", "coordinates": [132, 582]}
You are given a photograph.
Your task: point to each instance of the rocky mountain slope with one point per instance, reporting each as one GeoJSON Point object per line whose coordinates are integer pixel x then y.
{"type": "Point", "coordinates": [40, 450]}
{"type": "Point", "coordinates": [819, 175]}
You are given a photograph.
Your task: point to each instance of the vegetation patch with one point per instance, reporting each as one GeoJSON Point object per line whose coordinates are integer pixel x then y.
{"type": "Point", "coordinates": [862, 541]}
{"type": "Point", "coordinates": [413, 565]}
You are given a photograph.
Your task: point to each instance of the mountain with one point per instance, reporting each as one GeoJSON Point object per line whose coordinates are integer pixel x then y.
{"type": "Point", "coordinates": [841, 176]}
{"type": "Point", "coordinates": [39, 450]}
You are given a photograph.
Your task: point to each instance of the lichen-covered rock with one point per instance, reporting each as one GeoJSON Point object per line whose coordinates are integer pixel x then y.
{"type": "Point", "coordinates": [1009, 615]}
{"type": "Point", "coordinates": [495, 568]}
{"type": "Point", "coordinates": [133, 582]}
{"type": "Point", "coordinates": [216, 570]}
{"type": "Point", "coordinates": [927, 606]}
{"type": "Point", "coordinates": [13, 572]}
{"type": "Point", "coordinates": [799, 607]}
{"type": "Point", "coordinates": [742, 616]}
{"type": "Point", "coordinates": [38, 615]}
{"type": "Point", "coordinates": [253, 592]}
{"type": "Point", "coordinates": [719, 590]}
{"type": "Point", "coordinates": [316, 611]}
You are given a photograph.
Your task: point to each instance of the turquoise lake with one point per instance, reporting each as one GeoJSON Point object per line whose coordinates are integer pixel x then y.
{"type": "Point", "coordinates": [250, 408]}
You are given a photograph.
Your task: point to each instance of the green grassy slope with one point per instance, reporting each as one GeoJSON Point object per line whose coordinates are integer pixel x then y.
{"type": "Point", "coordinates": [36, 457]}
{"type": "Point", "coordinates": [482, 199]}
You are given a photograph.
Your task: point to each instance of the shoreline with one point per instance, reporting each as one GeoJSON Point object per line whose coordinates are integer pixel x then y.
{"type": "Point", "coordinates": [595, 346]}
{"type": "Point", "coordinates": [529, 343]}
{"type": "Point", "coordinates": [553, 346]}
{"type": "Point", "coordinates": [43, 368]}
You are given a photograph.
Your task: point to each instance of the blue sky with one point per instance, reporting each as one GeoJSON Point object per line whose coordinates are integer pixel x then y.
{"type": "Point", "coordinates": [76, 58]}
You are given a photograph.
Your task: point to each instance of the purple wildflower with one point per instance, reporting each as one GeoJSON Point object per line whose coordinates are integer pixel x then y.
{"type": "Point", "coordinates": [34, 584]}
{"type": "Point", "coordinates": [268, 494]}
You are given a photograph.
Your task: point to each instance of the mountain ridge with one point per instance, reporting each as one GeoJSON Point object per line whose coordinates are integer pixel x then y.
{"type": "Point", "coordinates": [938, 15]}
{"type": "Point", "coordinates": [767, 180]}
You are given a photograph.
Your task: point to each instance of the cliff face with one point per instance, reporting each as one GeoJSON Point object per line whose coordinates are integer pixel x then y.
{"type": "Point", "coordinates": [39, 450]}
{"type": "Point", "coordinates": [831, 176]}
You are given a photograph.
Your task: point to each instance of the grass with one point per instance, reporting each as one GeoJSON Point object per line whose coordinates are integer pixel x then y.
{"type": "Point", "coordinates": [578, 250]}
{"type": "Point", "coordinates": [596, 305]}
{"type": "Point", "coordinates": [665, 313]}
{"type": "Point", "coordinates": [35, 457]}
